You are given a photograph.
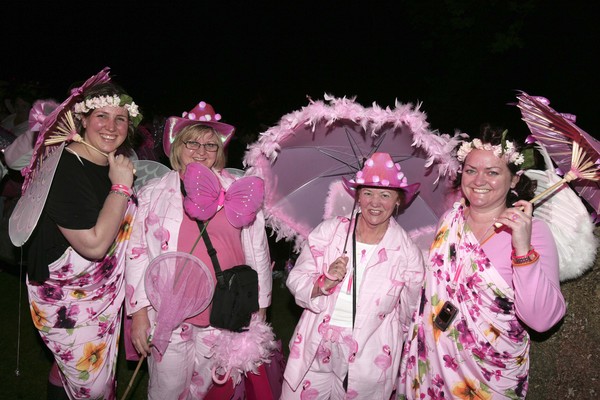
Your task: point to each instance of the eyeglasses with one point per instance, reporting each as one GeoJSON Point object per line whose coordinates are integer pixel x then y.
{"type": "Point", "coordinates": [192, 145]}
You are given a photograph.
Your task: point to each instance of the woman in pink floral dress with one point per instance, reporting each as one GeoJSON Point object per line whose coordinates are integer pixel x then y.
{"type": "Point", "coordinates": [76, 269]}
{"type": "Point", "coordinates": [492, 274]}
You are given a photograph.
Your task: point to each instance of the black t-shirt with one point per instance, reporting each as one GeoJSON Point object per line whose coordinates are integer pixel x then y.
{"type": "Point", "coordinates": [76, 197]}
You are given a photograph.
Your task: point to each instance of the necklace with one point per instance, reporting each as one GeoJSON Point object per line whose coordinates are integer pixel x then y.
{"type": "Point", "coordinates": [362, 238]}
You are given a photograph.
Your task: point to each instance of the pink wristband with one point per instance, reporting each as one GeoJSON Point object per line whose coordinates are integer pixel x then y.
{"type": "Point", "coordinates": [321, 285]}
{"type": "Point", "coordinates": [121, 188]}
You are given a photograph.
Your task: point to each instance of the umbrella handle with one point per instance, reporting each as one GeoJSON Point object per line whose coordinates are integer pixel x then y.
{"type": "Point", "coordinates": [215, 377]}
{"type": "Point", "coordinates": [137, 369]}
{"type": "Point", "coordinates": [568, 178]}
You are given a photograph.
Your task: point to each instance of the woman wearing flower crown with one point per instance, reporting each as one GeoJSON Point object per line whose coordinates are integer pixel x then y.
{"type": "Point", "coordinates": [492, 275]}
{"type": "Point", "coordinates": [357, 304]}
{"type": "Point", "coordinates": [163, 224]}
{"type": "Point", "coordinates": [75, 269]}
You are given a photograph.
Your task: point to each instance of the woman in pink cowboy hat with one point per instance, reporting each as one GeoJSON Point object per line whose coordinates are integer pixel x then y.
{"type": "Point", "coordinates": [194, 142]}
{"type": "Point", "coordinates": [357, 305]}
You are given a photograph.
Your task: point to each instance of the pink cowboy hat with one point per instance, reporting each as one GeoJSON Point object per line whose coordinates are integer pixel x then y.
{"type": "Point", "coordinates": [380, 171]}
{"type": "Point", "coordinates": [202, 114]}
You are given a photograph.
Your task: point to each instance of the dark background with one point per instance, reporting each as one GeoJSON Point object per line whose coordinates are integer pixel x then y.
{"type": "Point", "coordinates": [258, 60]}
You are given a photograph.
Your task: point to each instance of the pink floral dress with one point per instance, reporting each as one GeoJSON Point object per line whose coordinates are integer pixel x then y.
{"type": "Point", "coordinates": [484, 353]}
{"type": "Point", "coordinates": [78, 314]}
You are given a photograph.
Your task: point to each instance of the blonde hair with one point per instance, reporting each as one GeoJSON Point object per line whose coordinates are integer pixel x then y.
{"type": "Point", "coordinates": [190, 133]}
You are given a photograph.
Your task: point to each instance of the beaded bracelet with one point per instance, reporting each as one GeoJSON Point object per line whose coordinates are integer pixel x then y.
{"type": "Point", "coordinates": [122, 188]}
{"type": "Point", "coordinates": [120, 193]}
{"type": "Point", "coordinates": [321, 285]}
{"type": "Point", "coordinates": [528, 259]}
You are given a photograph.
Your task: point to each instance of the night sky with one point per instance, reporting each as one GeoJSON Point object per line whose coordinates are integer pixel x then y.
{"type": "Point", "coordinates": [256, 61]}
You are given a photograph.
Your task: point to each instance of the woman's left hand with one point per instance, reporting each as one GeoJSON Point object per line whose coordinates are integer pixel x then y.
{"type": "Point", "coordinates": [262, 314]}
{"type": "Point", "coordinates": [518, 219]}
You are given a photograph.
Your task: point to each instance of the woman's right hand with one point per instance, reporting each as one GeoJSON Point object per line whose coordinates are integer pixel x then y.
{"type": "Point", "coordinates": [336, 272]}
{"type": "Point", "coordinates": [121, 170]}
{"type": "Point", "coordinates": [140, 328]}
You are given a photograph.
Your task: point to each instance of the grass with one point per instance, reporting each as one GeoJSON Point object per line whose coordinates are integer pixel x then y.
{"type": "Point", "coordinates": [34, 360]}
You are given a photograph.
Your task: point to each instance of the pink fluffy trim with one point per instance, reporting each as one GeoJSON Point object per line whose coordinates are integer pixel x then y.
{"type": "Point", "coordinates": [236, 354]}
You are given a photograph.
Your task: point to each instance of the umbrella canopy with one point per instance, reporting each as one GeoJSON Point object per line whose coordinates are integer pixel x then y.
{"type": "Point", "coordinates": [562, 139]}
{"type": "Point", "coordinates": [304, 158]}
{"type": "Point", "coordinates": [179, 286]}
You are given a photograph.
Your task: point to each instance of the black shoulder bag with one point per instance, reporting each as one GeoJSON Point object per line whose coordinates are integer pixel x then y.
{"type": "Point", "coordinates": [236, 293]}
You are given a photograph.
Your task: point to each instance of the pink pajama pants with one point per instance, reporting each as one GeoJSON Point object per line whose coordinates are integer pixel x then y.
{"type": "Point", "coordinates": [325, 377]}
{"type": "Point", "coordinates": [185, 369]}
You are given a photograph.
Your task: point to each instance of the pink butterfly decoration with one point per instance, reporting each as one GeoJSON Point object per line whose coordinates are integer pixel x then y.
{"type": "Point", "coordinates": [205, 196]}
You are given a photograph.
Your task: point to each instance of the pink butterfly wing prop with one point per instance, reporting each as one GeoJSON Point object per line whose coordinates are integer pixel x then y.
{"type": "Point", "coordinates": [243, 200]}
{"type": "Point", "coordinates": [203, 191]}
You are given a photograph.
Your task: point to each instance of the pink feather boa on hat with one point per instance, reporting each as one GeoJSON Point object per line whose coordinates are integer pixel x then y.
{"type": "Point", "coordinates": [236, 354]}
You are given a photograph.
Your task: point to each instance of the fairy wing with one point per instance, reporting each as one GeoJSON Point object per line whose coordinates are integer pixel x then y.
{"type": "Point", "coordinates": [568, 219]}
{"type": "Point", "coordinates": [26, 214]}
{"type": "Point", "coordinates": [243, 200]}
{"type": "Point", "coordinates": [146, 170]}
{"type": "Point", "coordinates": [203, 192]}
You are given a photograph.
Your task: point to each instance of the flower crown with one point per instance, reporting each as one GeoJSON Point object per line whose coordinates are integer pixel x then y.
{"type": "Point", "coordinates": [506, 150]}
{"type": "Point", "coordinates": [123, 100]}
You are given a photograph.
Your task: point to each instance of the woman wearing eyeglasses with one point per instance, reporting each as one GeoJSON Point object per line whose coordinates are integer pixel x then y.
{"type": "Point", "coordinates": [162, 225]}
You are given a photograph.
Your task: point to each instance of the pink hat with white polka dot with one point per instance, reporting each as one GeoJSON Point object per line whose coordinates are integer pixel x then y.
{"type": "Point", "coordinates": [380, 171]}
{"type": "Point", "coordinates": [202, 114]}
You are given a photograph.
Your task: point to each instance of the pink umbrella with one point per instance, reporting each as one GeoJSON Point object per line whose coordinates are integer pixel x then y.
{"type": "Point", "coordinates": [39, 174]}
{"type": "Point", "coordinates": [575, 152]}
{"type": "Point", "coordinates": [304, 158]}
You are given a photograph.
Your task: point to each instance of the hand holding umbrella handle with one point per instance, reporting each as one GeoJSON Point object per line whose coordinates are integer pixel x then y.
{"type": "Point", "coordinates": [569, 176]}
{"type": "Point", "coordinates": [137, 368]}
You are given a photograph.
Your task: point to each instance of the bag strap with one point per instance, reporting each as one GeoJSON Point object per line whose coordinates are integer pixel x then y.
{"type": "Point", "coordinates": [212, 252]}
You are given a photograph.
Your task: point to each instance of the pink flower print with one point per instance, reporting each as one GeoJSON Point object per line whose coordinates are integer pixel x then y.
{"type": "Point", "coordinates": [65, 270]}
{"type": "Point", "coordinates": [437, 260]}
{"type": "Point", "coordinates": [351, 394]}
{"type": "Point", "coordinates": [295, 350]}
{"type": "Point", "coordinates": [83, 393]}
{"type": "Point", "coordinates": [50, 293]}
{"type": "Point", "coordinates": [438, 381]}
{"type": "Point", "coordinates": [66, 356]}
{"type": "Point", "coordinates": [383, 362]}
{"type": "Point", "coordinates": [421, 347]}
{"type": "Point", "coordinates": [434, 394]}
{"type": "Point", "coordinates": [65, 317]}
{"type": "Point", "coordinates": [465, 337]}
{"type": "Point", "coordinates": [501, 305]}
{"type": "Point", "coordinates": [450, 362]}
{"type": "Point", "coordinates": [163, 235]}
{"type": "Point", "coordinates": [308, 393]}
